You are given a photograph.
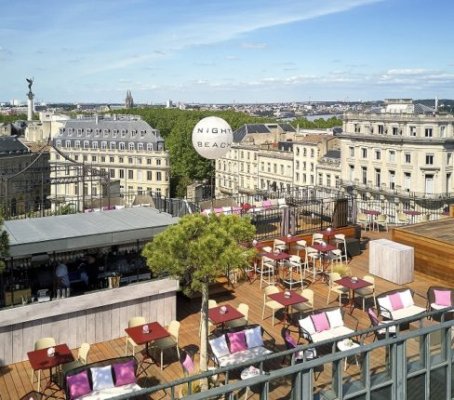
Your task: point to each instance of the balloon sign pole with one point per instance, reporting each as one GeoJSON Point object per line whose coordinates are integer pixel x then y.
{"type": "Point", "coordinates": [212, 138]}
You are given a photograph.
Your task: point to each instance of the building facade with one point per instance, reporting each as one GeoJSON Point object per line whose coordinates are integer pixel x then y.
{"type": "Point", "coordinates": [277, 158]}
{"type": "Point", "coordinates": [403, 151]}
{"type": "Point", "coordinates": [24, 177]}
{"type": "Point", "coordinates": [91, 154]}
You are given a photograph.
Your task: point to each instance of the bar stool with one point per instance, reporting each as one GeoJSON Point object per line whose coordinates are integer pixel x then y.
{"type": "Point", "coordinates": [339, 239]}
{"type": "Point", "coordinates": [293, 265]}
{"type": "Point", "coordinates": [266, 270]}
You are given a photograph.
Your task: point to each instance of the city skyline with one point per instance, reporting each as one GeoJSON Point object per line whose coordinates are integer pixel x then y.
{"type": "Point", "coordinates": [224, 52]}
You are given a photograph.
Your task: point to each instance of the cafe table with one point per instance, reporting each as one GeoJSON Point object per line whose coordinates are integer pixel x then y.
{"type": "Point", "coordinates": [372, 215]}
{"type": "Point", "coordinates": [289, 240]}
{"type": "Point", "coordinates": [146, 334]}
{"type": "Point", "coordinates": [287, 298]}
{"type": "Point", "coordinates": [222, 314]}
{"type": "Point", "coordinates": [42, 359]}
{"type": "Point", "coordinates": [323, 249]}
{"type": "Point", "coordinates": [412, 214]}
{"type": "Point", "coordinates": [352, 284]}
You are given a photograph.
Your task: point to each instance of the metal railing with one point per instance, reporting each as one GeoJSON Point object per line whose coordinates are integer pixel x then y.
{"type": "Point", "coordinates": [426, 375]}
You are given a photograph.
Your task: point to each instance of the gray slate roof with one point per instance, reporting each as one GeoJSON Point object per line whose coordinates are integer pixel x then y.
{"type": "Point", "coordinates": [11, 145]}
{"type": "Point", "coordinates": [82, 231]}
{"type": "Point", "coordinates": [242, 131]}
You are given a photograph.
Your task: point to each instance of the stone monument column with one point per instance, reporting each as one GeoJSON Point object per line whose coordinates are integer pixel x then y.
{"type": "Point", "coordinates": [30, 96]}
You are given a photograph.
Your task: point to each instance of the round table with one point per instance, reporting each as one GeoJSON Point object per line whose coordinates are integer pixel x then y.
{"type": "Point", "coordinates": [249, 372]}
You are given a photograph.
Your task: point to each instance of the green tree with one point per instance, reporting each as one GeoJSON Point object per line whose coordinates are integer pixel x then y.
{"type": "Point", "coordinates": [4, 244]}
{"type": "Point", "coordinates": [196, 251]}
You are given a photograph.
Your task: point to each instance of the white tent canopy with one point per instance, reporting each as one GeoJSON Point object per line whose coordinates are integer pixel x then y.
{"type": "Point", "coordinates": [83, 231]}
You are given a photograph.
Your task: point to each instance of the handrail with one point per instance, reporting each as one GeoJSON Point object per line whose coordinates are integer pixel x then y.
{"type": "Point", "coordinates": [307, 366]}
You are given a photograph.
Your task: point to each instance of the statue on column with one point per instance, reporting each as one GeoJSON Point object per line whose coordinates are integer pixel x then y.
{"type": "Point", "coordinates": [30, 83]}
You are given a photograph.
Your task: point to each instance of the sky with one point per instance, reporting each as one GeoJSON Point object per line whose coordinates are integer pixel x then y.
{"type": "Point", "coordinates": [216, 51]}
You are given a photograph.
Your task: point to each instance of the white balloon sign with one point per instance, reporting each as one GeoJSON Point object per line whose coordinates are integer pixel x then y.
{"type": "Point", "coordinates": [212, 137]}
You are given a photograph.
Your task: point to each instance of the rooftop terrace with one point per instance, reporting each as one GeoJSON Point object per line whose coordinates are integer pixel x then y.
{"type": "Point", "coordinates": [15, 378]}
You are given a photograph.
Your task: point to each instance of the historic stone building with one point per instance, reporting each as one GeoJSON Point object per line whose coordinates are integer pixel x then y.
{"type": "Point", "coordinates": [92, 154]}
{"type": "Point", "coordinates": [401, 152]}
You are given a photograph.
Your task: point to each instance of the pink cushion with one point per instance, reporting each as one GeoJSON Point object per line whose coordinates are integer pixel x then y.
{"type": "Point", "coordinates": [124, 373]}
{"type": "Point", "coordinates": [237, 341]}
{"type": "Point", "coordinates": [290, 339]}
{"type": "Point", "coordinates": [78, 385]}
{"type": "Point", "coordinates": [396, 301]}
{"type": "Point", "coordinates": [320, 322]}
{"type": "Point", "coordinates": [219, 210]}
{"type": "Point", "coordinates": [266, 204]}
{"type": "Point", "coordinates": [443, 297]}
{"type": "Point", "coordinates": [188, 364]}
{"type": "Point", "coordinates": [373, 316]}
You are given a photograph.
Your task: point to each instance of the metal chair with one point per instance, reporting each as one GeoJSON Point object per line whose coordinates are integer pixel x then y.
{"type": "Point", "coordinates": [367, 292]}
{"type": "Point", "coordinates": [363, 220]}
{"type": "Point", "coordinates": [243, 308]}
{"type": "Point", "coordinates": [169, 342]}
{"type": "Point", "coordinates": [82, 358]}
{"type": "Point", "coordinates": [317, 238]}
{"type": "Point", "coordinates": [307, 305]}
{"type": "Point", "coordinates": [402, 218]}
{"type": "Point", "coordinates": [266, 270]}
{"type": "Point", "coordinates": [279, 245]}
{"type": "Point", "coordinates": [293, 265]}
{"type": "Point", "coordinates": [381, 220]}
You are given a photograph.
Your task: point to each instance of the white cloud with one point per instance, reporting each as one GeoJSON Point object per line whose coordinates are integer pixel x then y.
{"type": "Point", "coordinates": [254, 45]}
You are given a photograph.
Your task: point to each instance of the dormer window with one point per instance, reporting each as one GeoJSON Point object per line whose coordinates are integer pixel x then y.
{"type": "Point", "coordinates": [112, 145]}
{"type": "Point", "coordinates": [86, 144]}
{"type": "Point", "coordinates": [103, 145]}
{"type": "Point", "coordinates": [139, 146]}
{"type": "Point", "coordinates": [131, 146]}
{"type": "Point", "coordinates": [149, 146]}
{"type": "Point", "coordinates": [121, 146]}
{"type": "Point", "coordinates": [94, 145]}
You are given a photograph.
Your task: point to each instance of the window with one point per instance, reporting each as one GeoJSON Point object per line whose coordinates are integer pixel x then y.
{"type": "Point", "coordinates": [85, 157]}
{"type": "Point", "coordinates": [140, 146]}
{"type": "Point", "coordinates": [297, 165]}
{"type": "Point", "coordinates": [103, 159]}
{"type": "Point", "coordinates": [429, 159]}
{"type": "Point", "coordinates": [103, 145]}
{"type": "Point", "coordinates": [442, 130]}
{"type": "Point", "coordinates": [364, 152]}
{"type": "Point", "coordinates": [130, 174]}
{"type": "Point", "coordinates": [149, 162]}
{"type": "Point", "coordinates": [377, 154]}
{"type": "Point", "coordinates": [269, 167]}
{"type": "Point", "coordinates": [304, 178]}
{"type": "Point", "coordinates": [381, 129]}
{"type": "Point", "coordinates": [392, 156]}
{"type": "Point", "coordinates": [392, 180]}
{"type": "Point", "coordinates": [121, 146]}
{"type": "Point", "coordinates": [120, 160]}
{"type": "Point", "coordinates": [77, 144]}
{"type": "Point", "coordinates": [407, 158]}
{"type": "Point", "coordinates": [111, 159]}
{"type": "Point", "coordinates": [122, 173]}
{"type": "Point", "coordinates": [158, 161]}
{"type": "Point", "coordinates": [94, 145]}
{"type": "Point", "coordinates": [328, 180]}
{"type": "Point", "coordinates": [129, 160]}
{"type": "Point", "coordinates": [149, 175]}
{"type": "Point", "coordinates": [357, 128]}
{"type": "Point", "coordinates": [351, 150]}
{"type": "Point", "coordinates": [297, 176]}
{"type": "Point", "coordinates": [149, 146]}
{"type": "Point", "coordinates": [158, 176]}
{"type": "Point", "coordinates": [112, 173]}
{"type": "Point", "coordinates": [86, 144]}
{"type": "Point", "coordinates": [428, 132]}
{"type": "Point", "coordinates": [139, 160]}
{"type": "Point", "coordinates": [297, 151]}
{"type": "Point", "coordinates": [395, 131]}
{"type": "Point", "coordinates": [58, 143]}
{"type": "Point", "coordinates": [412, 130]}
{"type": "Point", "coordinates": [304, 152]}
{"type": "Point", "coordinates": [312, 153]}
{"type": "Point", "coordinates": [364, 175]}
{"type": "Point", "coordinates": [312, 167]}
{"type": "Point", "coordinates": [275, 168]}
{"type": "Point", "coordinates": [320, 179]}
{"type": "Point", "coordinates": [449, 158]}
{"type": "Point", "coordinates": [68, 143]}
{"type": "Point", "coordinates": [377, 177]}
{"type": "Point", "coordinates": [351, 172]}
{"type": "Point", "coordinates": [282, 169]}
{"type": "Point", "coordinates": [407, 180]}
{"type": "Point", "coordinates": [131, 146]}
{"type": "Point", "coordinates": [76, 157]}
{"type": "Point", "coordinates": [93, 158]}
{"type": "Point", "coordinates": [113, 145]}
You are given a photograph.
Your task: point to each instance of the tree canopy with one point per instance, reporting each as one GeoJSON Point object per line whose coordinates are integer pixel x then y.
{"type": "Point", "coordinates": [200, 248]}
{"type": "Point", "coordinates": [4, 245]}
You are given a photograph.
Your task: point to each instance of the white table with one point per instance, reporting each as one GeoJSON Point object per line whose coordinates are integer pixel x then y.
{"type": "Point", "coordinates": [347, 344]}
{"type": "Point", "coordinates": [391, 261]}
{"type": "Point", "coordinates": [247, 373]}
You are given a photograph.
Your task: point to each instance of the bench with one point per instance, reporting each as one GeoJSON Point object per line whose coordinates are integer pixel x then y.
{"type": "Point", "coordinates": [239, 345]}
{"type": "Point", "coordinates": [397, 304]}
{"type": "Point", "coordinates": [102, 380]}
{"type": "Point", "coordinates": [324, 324]}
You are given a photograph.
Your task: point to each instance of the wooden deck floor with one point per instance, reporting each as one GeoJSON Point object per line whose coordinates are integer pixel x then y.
{"type": "Point", "coordinates": [15, 379]}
